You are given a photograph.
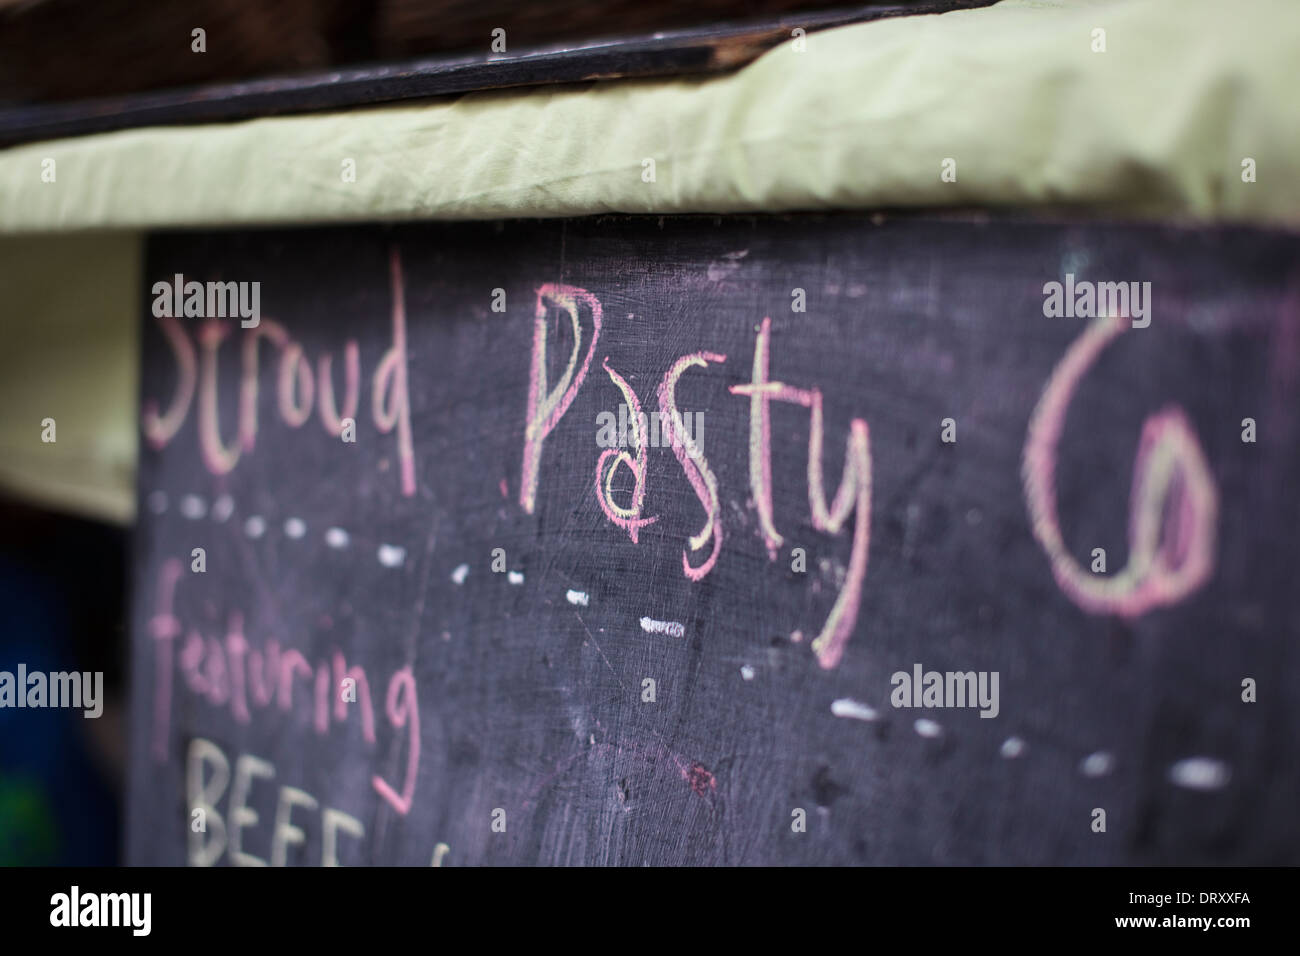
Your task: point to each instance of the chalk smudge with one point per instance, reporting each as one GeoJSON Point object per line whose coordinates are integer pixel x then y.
{"type": "Point", "coordinates": [671, 628]}
{"type": "Point", "coordinates": [847, 707]}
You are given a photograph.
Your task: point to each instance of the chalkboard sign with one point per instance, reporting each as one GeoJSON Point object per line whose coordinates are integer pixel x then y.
{"type": "Point", "coordinates": [797, 540]}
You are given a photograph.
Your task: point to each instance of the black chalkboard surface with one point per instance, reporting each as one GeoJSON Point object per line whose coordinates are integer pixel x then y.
{"type": "Point", "coordinates": [941, 541]}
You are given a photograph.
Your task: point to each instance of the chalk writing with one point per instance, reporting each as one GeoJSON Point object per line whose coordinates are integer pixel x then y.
{"type": "Point", "coordinates": [1168, 559]}
{"type": "Point", "coordinates": [297, 390]}
{"type": "Point", "coordinates": [546, 408]}
{"type": "Point", "coordinates": [247, 679]}
{"type": "Point", "coordinates": [207, 776]}
{"type": "Point", "coordinates": [1170, 476]}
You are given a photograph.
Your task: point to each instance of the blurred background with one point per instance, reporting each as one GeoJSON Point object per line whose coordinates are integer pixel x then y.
{"type": "Point", "coordinates": [63, 584]}
{"type": "Point", "coordinates": [69, 49]}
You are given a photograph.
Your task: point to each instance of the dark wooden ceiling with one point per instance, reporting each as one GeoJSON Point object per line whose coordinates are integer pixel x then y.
{"type": "Point", "coordinates": [56, 50]}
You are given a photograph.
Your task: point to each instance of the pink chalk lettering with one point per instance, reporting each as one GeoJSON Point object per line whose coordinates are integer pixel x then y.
{"type": "Point", "coordinates": [829, 644]}
{"type": "Point", "coordinates": [693, 463]}
{"type": "Point", "coordinates": [232, 671]}
{"type": "Point", "coordinates": [218, 675]}
{"type": "Point", "coordinates": [161, 430]}
{"type": "Point", "coordinates": [322, 699]}
{"type": "Point", "coordinates": [330, 417]}
{"type": "Point", "coordinates": [546, 408]}
{"type": "Point", "coordinates": [760, 436]}
{"type": "Point", "coordinates": [390, 380]}
{"type": "Point", "coordinates": [296, 389]}
{"type": "Point", "coordinates": [627, 518]}
{"type": "Point", "coordinates": [216, 456]}
{"type": "Point", "coordinates": [402, 707]}
{"type": "Point", "coordinates": [263, 673]}
{"type": "Point", "coordinates": [853, 494]}
{"type": "Point", "coordinates": [248, 382]}
{"type": "Point", "coordinates": [342, 672]}
{"type": "Point", "coordinates": [291, 662]}
{"type": "Point", "coordinates": [1169, 557]}
{"type": "Point", "coordinates": [191, 663]}
{"type": "Point", "coordinates": [295, 370]}
{"type": "Point", "coordinates": [164, 627]}
{"type": "Point", "coordinates": [236, 650]}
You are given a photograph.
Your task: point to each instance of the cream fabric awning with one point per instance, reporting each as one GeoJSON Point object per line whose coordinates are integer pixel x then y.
{"type": "Point", "coordinates": [1158, 124]}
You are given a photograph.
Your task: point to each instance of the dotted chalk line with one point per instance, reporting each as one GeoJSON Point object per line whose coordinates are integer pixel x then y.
{"type": "Point", "coordinates": [255, 527]}
{"type": "Point", "coordinates": [1192, 773]}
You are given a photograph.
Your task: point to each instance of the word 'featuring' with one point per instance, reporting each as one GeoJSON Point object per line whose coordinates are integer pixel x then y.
{"type": "Point", "coordinates": [254, 682]}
